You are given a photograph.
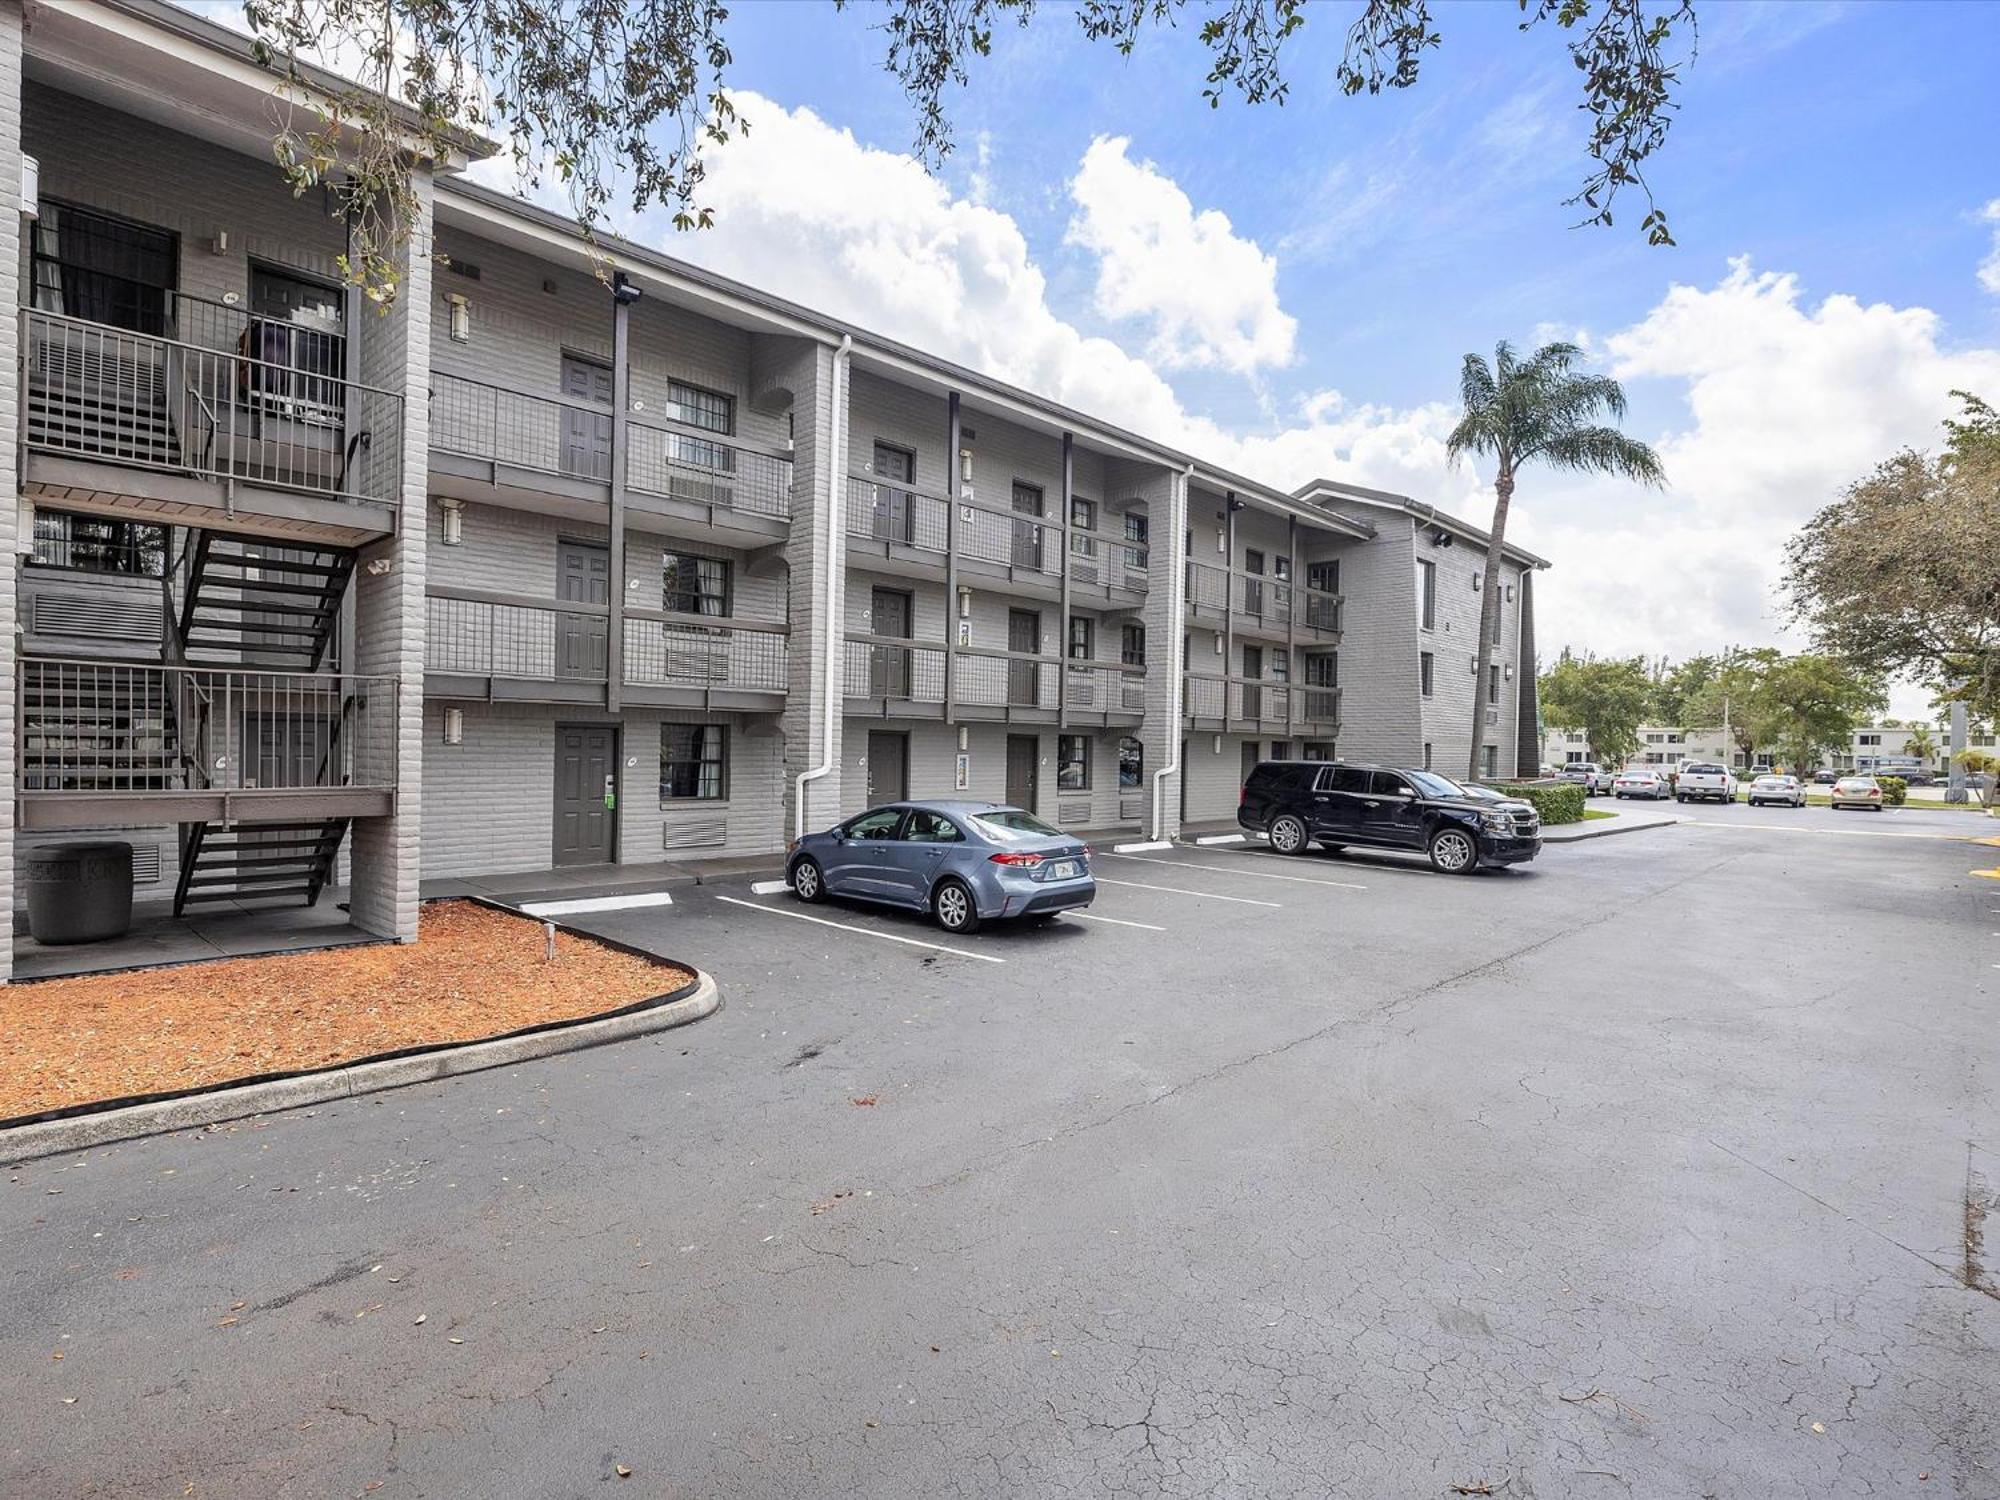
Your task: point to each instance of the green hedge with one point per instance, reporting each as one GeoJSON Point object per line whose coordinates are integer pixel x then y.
{"type": "Point", "coordinates": [1556, 801]}
{"type": "Point", "coordinates": [1895, 790]}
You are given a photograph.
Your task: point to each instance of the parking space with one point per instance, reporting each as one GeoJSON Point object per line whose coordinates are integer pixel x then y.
{"type": "Point", "coordinates": [1261, 1169]}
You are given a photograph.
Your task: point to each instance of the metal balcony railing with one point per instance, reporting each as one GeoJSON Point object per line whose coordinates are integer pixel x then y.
{"type": "Point", "coordinates": [478, 637]}
{"type": "Point", "coordinates": [999, 679]}
{"type": "Point", "coordinates": [1096, 559]}
{"type": "Point", "coordinates": [1207, 586]}
{"type": "Point", "coordinates": [1321, 611]}
{"type": "Point", "coordinates": [892, 668]}
{"type": "Point", "coordinates": [1260, 701]}
{"type": "Point", "coordinates": [667, 652]}
{"type": "Point", "coordinates": [266, 412]}
{"type": "Point", "coordinates": [93, 727]}
{"type": "Point", "coordinates": [687, 464]}
{"type": "Point", "coordinates": [895, 513]}
{"type": "Point", "coordinates": [1098, 688]}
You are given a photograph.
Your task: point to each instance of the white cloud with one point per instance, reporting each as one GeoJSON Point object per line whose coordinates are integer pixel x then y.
{"type": "Point", "coordinates": [1989, 268]}
{"type": "Point", "coordinates": [1210, 295]}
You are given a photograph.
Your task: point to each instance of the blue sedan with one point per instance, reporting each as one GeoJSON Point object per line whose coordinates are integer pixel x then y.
{"type": "Point", "coordinates": [963, 862]}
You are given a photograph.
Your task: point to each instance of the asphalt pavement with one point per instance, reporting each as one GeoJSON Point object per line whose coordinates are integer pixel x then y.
{"type": "Point", "coordinates": [1657, 1168]}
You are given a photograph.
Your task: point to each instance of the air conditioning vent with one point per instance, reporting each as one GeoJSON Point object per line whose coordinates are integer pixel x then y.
{"type": "Point", "coordinates": [104, 617]}
{"type": "Point", "coordinates": [145, 864]}
{"type": "Point", "coordinates": [699, 832]}
{"type": "Point", "coordinates": [1073, 811]}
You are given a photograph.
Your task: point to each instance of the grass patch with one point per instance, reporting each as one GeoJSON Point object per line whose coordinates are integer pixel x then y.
{"type": "Point", "coordinates": [1597, 812]}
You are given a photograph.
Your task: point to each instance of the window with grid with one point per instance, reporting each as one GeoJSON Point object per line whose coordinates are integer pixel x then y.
{"type": "Point", "coordinates": [710, 410]}
{"type": "Point", "coordinates": [1428, 574]}
{"type": "Point", "coordinates": [1073, 762]}
{"type": "Point", "coordinates": [694, 585]}
{"type": "Point", "coordinates": [694, 762]}
{"type": "Point", "coordinates": [1083, 513]}
{"type": "Point", "coordinates": [98, 544]}
{"type": "Point", "coordinates": [1082, 637]}
{"type": "Point", "coordinates": [1426, 672]}
{"type": "Point", "coordinates": [1131, 764]}
{"type": "Point", "coordinates": [103, 268]}
{"type": "Point", "coordinates": [1132, 645]}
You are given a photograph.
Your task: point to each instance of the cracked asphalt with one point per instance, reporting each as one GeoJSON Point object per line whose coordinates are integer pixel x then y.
{"type": "Point", "coordinates": [1660, 1168]}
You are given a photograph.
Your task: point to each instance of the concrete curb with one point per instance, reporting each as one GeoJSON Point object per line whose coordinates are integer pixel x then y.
{"type": "Point", "coordinates": [1604, 828]}
{"type": "Point", "coordinates": [52, 1137]}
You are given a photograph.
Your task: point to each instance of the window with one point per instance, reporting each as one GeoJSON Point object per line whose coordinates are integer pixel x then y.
{"type": "Point", "coordinates": [1489, 760]}
{"type": "Point", "coordinates": [875, 826]}
{"type": "Point", "coordinates": [694, 585]}
{"type": "Point", "coordinates": [98, 544]}
{"type": "Point", "coordinates": [1132, 644]}
{"type": "Point", "coordinates": [927, 827]}
{"type": "Point", "coordinates": [1426, 673]}
{"type": "Point", "coordinates": [1324, 576]}
{"type": "Point", "coordinates": [1492, 683]}
{"type": "Point", "coordinates": [1131, 764]}
{"type": "Point", "coordinates": [1427, 576]}
{"type": "Point", "coordinates": [106, 269]}
{"type": "Point", "coordinates": [694, 762]}
{"type": "Point", "coordinates": [1318, 750]}
{"type": "Point", "coordinates": [1281, 749]}
{"type": "Point", "coordinates": [1253, 561]}
{"type": "Point", "coordinates": [1083, 513]}
{"type": "Point", "coordinates": [1868, 739]}
{"type": "Point", "coordinates": [1427, 755]}
{"type": "Point", "coordinates": [1386, 784]}
{"type": "Point", "coordinates": [1073, 762]}
{"type": "Point", "coordinates": [1082, 637]}
{"type": "Point", "coordinates": [298, 325]}
{"type": "Point", "coordinates": [709, 410]}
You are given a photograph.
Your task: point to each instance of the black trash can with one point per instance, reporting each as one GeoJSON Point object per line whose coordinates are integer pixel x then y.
{"type": "Point", "coordinates": [79, 893]}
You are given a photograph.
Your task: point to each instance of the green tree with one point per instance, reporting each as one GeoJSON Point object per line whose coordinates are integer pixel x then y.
{"type": "Point", "coordinates": [620, 98]}
{"type": "Point", "coordinates": [1902, 573]}
{"type": "Point", "coordinates": [1606, 698]}
{"type": "Point", "coordinates": [1807, 705]}
{"type": "Point", "coordinates": [1676, 687]}
{"type": "Point", "coordinates": [1725, 698]}
{"type": "Point", "coordinates": [1921, 743]}
{"type": "Point", "coordinates": [1538, 410]}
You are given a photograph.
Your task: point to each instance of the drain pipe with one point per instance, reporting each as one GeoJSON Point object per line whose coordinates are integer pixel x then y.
{"type": "Point", "coordinates": [1177, 606]}
{"type": "Point", "coordinates": [837, 467]}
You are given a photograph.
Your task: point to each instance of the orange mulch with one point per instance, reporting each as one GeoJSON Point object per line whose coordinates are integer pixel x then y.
{"type": "Point", "coordinates": [472, 973]}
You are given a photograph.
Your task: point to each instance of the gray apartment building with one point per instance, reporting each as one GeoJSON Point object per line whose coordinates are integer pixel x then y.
{"type": "Point", "coordinates": [573, 560]}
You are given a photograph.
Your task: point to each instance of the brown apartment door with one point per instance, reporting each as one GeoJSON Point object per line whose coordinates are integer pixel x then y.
{"type": "Point", "coordinates": [586, 794]}
{"type": "Point", "coordinates": [889, 666]}
{"type": "Point", "coordinates": [888, 766]}
{"type": "Point", "coordinates": [892, 511]}
{"type": "Point", "coordinates": [586, 446]}
{"type": "Point", "coordinates": [1024, 755]}
{"type": "Point", "coordinates": [1024, 633]}
{"type": "Point", "coordinates": [1027, 551]}
{"type": "Point", "coordinates": [1253, 669]}
{"type": "Point", "coordinates": [583, 576]}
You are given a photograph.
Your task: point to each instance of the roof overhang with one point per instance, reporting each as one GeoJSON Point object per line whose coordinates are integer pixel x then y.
{"type": "Point", "coordinates": [1421, 511]}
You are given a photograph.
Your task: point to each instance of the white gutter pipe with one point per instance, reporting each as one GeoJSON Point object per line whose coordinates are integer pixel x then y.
{"type": "Point", "coordinates": [837, 466]}
{"type": "Point", "coordinates": [1176, 605]}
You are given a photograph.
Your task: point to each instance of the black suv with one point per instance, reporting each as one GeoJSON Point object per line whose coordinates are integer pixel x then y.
{"type": "Point", "coordinates": [1330, 803]}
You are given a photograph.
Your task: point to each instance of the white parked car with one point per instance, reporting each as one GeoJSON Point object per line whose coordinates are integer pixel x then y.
{"type": "Point", "coordinates": [1588, 774]}
{"type": "Point", "coordinates": [1700, 780]}
{"type": "Point", "coordinates": [1777, 791]}
{"type": "Point", "coordinates": [1856, 791]}
{"type": "Point", "coordinates": [1639, 781]}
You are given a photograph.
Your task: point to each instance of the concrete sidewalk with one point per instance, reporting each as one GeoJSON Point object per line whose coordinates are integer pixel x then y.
{"type": "Point", "coordinates": [609, 880]}
{"type": "Point", "coordinates": [1605, 827]}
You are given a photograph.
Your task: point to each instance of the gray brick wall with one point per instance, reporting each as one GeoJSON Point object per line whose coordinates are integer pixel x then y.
{"type": "Point", "coordinates": [10, 402]}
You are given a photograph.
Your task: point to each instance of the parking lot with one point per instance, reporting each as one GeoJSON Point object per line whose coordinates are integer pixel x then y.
{"type": "Point", "coordinates": [1657, 1167]}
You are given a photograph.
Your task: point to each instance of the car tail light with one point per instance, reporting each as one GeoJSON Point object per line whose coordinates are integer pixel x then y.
{"type": "Point", "coordinates": [1014, 859]}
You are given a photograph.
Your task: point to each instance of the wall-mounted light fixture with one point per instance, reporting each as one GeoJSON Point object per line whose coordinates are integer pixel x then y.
{"type": "Point", "coordinates": [1217, 747]}
{"type": "Point", "coordinates": [453, 520]}
{"type": "Point", "coordinates": [454, 726]}
{"type": "Point", "coordinates": [461, 317]}
{"type": "Point", "coordinates": [623, 291]}
{"type": "Point", "coordinates": [1509, 671]}
{"type": "Point", "coordinates": [380, 566]}
{"type": "Point", "coordinates": [220, 244]}
{"type": "Point", "coordinates": [965, 465]}
{"type": "Point", "coordinates": [964, 737]}
{"type": "Point", "coordinates": [964, 604]}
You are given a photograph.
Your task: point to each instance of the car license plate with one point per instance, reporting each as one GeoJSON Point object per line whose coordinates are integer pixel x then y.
{"type": "Point", "coordinates": [1062, 869]}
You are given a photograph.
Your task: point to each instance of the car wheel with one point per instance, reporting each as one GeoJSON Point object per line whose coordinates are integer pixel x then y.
{"type": "Point", "coordinates": [808, 884]}
{"type": "Point", "coordinates": [1288, 835]}
{"type": "Point", "coordinates": [953, 907]}
{"type": "Point", "coordinates": [1453, 852]}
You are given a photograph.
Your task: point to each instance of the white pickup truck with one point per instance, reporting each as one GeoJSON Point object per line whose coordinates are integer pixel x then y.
{"type": "Point", "coordinates": [1593, 778]}
{"type": "Point", "coordinates": [1698, 780]}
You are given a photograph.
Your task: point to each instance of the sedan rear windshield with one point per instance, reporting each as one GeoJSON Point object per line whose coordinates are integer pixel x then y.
{"type": "Point", "coordinates": [1009, 824]}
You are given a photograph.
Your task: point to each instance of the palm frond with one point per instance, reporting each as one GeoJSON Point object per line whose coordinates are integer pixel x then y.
{"type": "Point", "coordinates": [1604, 450]}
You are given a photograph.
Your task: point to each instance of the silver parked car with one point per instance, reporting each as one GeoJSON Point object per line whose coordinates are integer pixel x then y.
{"type": "Point", "coordinates": [1641, 781]}
{"type": "Point", "coordinates": [1777, 791]}
{"type": "Point", "coordinates": [963, 862]}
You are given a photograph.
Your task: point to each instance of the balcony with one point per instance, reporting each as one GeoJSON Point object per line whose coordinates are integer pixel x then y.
{"type": "Point", "coordinates": [1239, 705]}
{"type": "Point", "coordinates": [1100, 563]}
{"type": "Point", "coordinates": [893, 677]}
{"type": "Point", "coordinates": [236, 419]}
{"type": "Point", "coordinates": [1257, 605]}
{"type": "Point", "coordinates": [106, 744]}
{"type": "Point", "coordinates": [493, 646]}
{"type": "Point", "coordinates": [549, 454]}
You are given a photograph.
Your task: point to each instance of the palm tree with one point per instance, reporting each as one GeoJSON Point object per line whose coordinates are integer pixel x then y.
{"type": "Point", "coordinates": [1536, 409]}
{"type": "Point", "coordinates": [1920, 743]}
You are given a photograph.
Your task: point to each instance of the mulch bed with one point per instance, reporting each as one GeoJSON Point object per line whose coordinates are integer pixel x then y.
{"type": "Point", "coordinates": [473, 973]}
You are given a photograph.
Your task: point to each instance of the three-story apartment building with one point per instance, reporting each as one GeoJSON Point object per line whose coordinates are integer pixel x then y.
{"type": "Point", "coordinates": [582, 555]}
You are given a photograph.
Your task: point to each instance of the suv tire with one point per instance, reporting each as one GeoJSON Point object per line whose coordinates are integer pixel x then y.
{"type": "Point", "coordinates": [1288, 835]}
{"type": "Point", "coordinates": [1454, 851]}
{"type": "Point", "coordinates": [808, 882]}
{"type": "Point", "coordinates": [953, 907]}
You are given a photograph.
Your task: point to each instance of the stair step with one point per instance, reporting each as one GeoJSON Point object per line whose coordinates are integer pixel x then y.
{"type": "Point", "coordinates": [272, 894]}
{"type": "Point", "coordinates": [334, 567]}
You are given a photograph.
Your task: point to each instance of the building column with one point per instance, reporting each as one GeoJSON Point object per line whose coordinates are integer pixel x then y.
{"type": "Point", "coordinates": [816, 563]}
{"type": "Point", "coordinates": [395, 355]}
{"type": "Point", "coordinates": [11, 225]}
{"type": "Point", "coordinates": [1527, 696]}
{"type": "Point", "coordinates": [1165, 617]}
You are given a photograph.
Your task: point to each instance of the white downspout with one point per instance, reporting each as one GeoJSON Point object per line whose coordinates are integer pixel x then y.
{"type": "Point", "coordinates": [1177, 606]}
{"type": "Point", "coordinates": [837, 467]}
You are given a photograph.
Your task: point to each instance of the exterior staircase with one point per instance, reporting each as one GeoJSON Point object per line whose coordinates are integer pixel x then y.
{"type": "Point", "coordinates": [257, 861]}
{"type": "Point", "coordinates": [87, 398]}
{"type": "Point", "coordinates": [246, 603]}
{"type": "Point", "coordinates": [88, 729]}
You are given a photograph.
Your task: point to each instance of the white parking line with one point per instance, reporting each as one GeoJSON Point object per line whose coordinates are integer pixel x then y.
{"type": "Point", "coordinates": [769, 887]}
{"type": "Point", "coordinates": [1857, 833]}
{"type": "Point", "coordinates": [1174, 890]}
{"type": "Point", "coordinates": [1184, 864]}
{"type": "Point", "coordinates": [888, 937]}
{"type": "Point", "coordinates": [1149, 844]}
{"type": "Point", "coordinates": [583, 904]}
{"type": "Point", "coordinates": [1089, 916]}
